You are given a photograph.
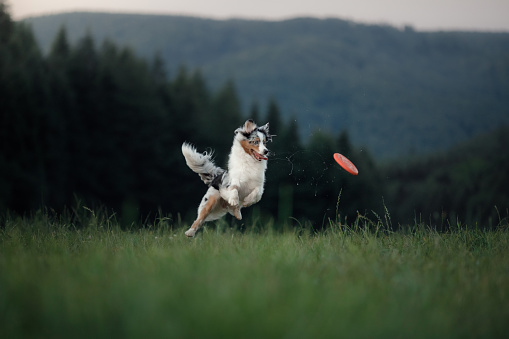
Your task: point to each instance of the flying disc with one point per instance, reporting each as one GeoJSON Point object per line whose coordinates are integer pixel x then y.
{"type": "Point", "coordinates": [346, 164]}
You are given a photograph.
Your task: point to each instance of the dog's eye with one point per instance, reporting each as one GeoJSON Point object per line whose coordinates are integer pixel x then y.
{"type": "Point", "coordinates": [254, 142]}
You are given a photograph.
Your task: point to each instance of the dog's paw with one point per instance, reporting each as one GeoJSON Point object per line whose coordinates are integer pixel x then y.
{"type": "Point", "coordinates": [234, 200]}
{"type": "Point", "coordinates": [190, 233]}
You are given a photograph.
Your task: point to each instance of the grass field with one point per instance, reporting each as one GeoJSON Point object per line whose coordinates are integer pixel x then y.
{"type": "Point", "coordinates": [98, 281]}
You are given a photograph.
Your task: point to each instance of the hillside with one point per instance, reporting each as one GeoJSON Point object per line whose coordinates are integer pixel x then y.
{"type": "Point", "coordinates": [396, 91]}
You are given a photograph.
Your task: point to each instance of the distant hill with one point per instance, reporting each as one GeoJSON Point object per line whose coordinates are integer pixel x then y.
{"type": "Point", "coordinates": [396, 91]}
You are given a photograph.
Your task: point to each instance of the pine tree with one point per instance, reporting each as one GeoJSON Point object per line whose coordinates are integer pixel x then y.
{"type": "Point", "coordinates": [23, 115]}
{"type": "Point", "coordinates": [254, 113]}
{"type": "Point", "coordinates": [226, 117]}
{"type": "Point", "coordinates": [62, 110]}
{"type": "Point", "coordinates": [274, 116]}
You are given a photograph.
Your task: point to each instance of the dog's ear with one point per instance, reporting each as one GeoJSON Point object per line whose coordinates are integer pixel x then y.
{"type": "Point", "coordinates": [265, 129]}
{"type": "Point", "coordinates": [249, 126]}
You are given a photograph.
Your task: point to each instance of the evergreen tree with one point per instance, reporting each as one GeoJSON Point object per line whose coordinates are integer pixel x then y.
{"type": "Point", "coordinates": [6, 25]}
{"type": "Point", "coordinates": [226, 117]}
{"type": "Point", "coordinates": [277, 196]}
{"type": "Point", "coordinates": [254, 113]}
{"type": "Point", "coordinates": [274, 115]}
{"type": "Point", "coordinates": [62, 109]}
{"type": "Point", "coordinates": [319, 187]}
{"type": "Point", "coordinates": [185, 110]}
{"type": "Point", "coordinates": [60, 49]}
{"type": "Point", "coordinates": [344, 144]}
{"type": "Point", "coordinates": [23, 115]}
{"type": "Point", "coordinates": [158, 70]}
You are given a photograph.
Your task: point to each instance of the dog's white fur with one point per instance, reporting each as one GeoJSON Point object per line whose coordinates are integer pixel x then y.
{"type": "Point", "coordinates": [241, 185]}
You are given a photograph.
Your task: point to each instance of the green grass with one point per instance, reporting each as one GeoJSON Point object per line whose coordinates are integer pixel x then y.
{"type": "Point", "coordinates": [100, 281]}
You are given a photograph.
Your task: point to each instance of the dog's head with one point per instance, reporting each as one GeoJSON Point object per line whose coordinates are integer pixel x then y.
{"type": "Point", "coordinates": [253, 139]}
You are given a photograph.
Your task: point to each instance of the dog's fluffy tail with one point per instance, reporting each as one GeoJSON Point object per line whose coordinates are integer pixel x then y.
{"type": "Point", "coordinates": [201, 163]}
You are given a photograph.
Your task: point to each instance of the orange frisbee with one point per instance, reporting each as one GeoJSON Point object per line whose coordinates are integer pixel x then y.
{"type": "Point", "coordinates": [346, 164]}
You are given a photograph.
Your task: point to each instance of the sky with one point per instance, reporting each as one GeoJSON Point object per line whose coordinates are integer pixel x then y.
{"type": "Point", "coordinates": [472, 15]}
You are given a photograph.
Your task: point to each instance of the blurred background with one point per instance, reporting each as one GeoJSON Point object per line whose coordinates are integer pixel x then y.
{"type": "Point", "coordinates": [96, 101]}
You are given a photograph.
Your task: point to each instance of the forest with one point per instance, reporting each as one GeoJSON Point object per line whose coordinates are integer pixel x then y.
{"type": "Point", "coordinates": [94, 124]}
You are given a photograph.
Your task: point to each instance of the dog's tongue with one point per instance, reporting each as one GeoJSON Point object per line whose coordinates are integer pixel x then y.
{"type": "Point", "coordinates": [259, 156]}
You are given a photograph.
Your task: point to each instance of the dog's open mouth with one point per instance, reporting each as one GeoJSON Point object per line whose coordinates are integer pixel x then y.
{"type": "Point", "coordinates": [258, 156]}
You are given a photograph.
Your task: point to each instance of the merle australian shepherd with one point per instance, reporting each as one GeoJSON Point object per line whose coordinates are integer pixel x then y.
{"type": "Point", "coordinates": [239, 186]}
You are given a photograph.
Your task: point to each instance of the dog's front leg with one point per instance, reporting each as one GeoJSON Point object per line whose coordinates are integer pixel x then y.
{"type": "Point", "coordinates": [231, 195]}
{"type": "Point", "coordinates": [253, 197]}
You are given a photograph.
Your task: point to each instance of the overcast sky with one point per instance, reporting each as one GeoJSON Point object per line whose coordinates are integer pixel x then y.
{"type": "Point", "coordinates": [486, 15]}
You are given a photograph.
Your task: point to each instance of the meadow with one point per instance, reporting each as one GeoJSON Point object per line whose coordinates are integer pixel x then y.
{"type": "Point", "coordinates": [87, 277]}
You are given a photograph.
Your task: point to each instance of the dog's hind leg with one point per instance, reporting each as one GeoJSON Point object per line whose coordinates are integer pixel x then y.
{"type": "Point", "coordinates": [207, 205]}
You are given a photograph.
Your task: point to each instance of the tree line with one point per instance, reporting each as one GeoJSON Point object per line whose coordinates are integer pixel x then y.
{"type": "Point", "coordinates": [99, 126]}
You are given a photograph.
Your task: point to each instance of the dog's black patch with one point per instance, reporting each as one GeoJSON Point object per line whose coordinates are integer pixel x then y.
{"type": "Point", "coordinates": [217, 181]}
{"type": "Point", "coordinates": [264, 132]}
{"type": "Point", "coordinates": [252, 135]}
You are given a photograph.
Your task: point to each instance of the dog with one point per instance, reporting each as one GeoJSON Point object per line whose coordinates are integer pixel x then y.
{"type": "Point", "coordinates": [238, 187]}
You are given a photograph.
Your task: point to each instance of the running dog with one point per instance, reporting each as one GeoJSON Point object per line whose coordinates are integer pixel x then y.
{"type": "Point", "coordinates": [239, 186]}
